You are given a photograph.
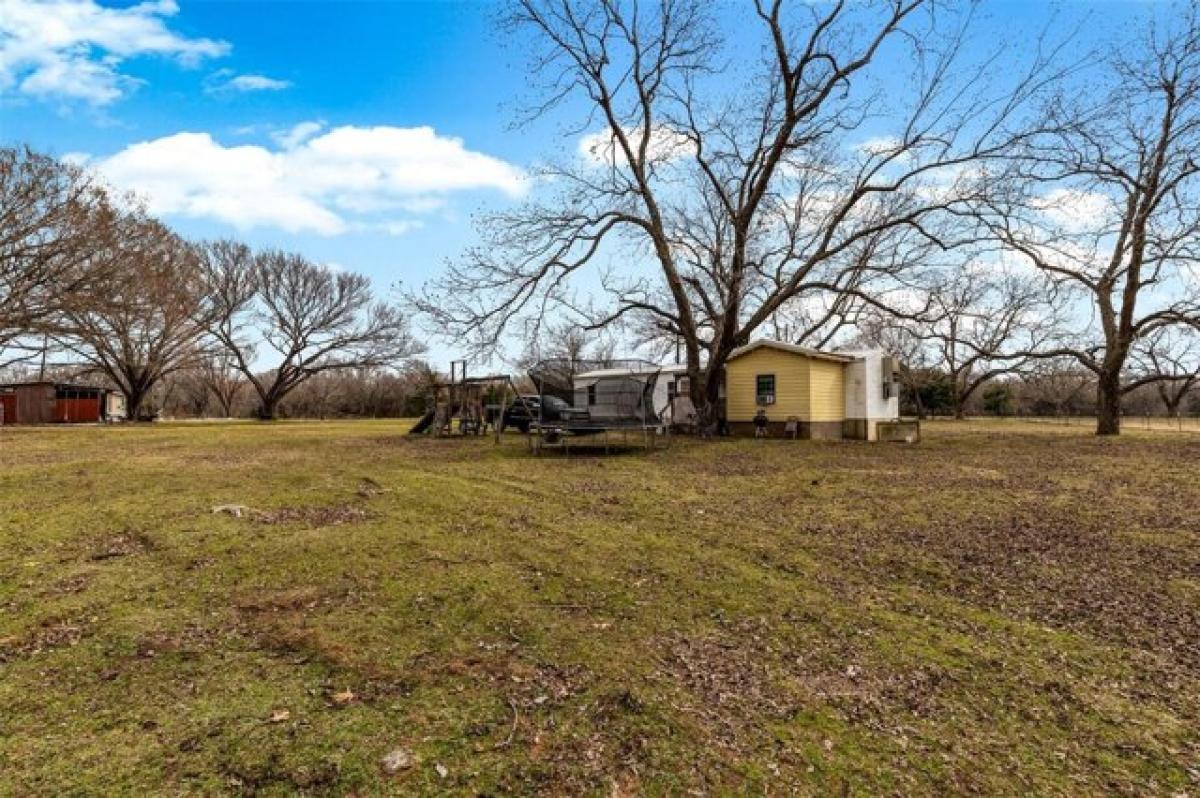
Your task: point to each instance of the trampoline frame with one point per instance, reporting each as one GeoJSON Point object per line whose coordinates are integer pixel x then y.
{"type": "Point", "coordinates": [630, 385]}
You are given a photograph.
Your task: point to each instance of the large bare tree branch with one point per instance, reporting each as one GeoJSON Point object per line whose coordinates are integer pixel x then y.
{"type": "Point", "coordinates": [55, 223]}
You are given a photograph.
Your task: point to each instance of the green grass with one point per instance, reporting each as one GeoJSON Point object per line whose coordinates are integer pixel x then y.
{"type": "Point", "coordinates": [1005, 609]}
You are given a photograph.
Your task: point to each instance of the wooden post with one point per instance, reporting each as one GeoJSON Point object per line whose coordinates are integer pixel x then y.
{"type": "Point", "coordinates": [499, 420]}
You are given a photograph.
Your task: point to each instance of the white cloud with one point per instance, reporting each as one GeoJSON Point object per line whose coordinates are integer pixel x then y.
{"type": "Point", "coordinates": [224, 81]}
{"type": "Point", "coordinates": [602, 147]}
{"type": "Point", "coordinates": [1074, 210]}
{"type": "Point", "coordinates": [399, 228]}
{"type": "Point", "coordinates": [879, 145]}
{"type": "Point", "coordinates": [348, 178]}
{"type": "Point", "coordinates": [257, 83]}
{"type": "Point", "coordinates": [298, 134]}
{"type": "Point", "coordinates": [73, 49]}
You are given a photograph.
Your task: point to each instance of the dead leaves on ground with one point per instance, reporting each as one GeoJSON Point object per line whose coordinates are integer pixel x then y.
{"type": "Point", "coordinates": [131, 541]}
{"type": "Point", "coordinates": [51, 634]}
{"type": "Point", "coordinates": [334, 515]}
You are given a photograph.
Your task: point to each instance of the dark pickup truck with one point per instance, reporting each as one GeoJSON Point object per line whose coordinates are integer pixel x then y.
{"type": "Point", "coordinates": [524, 411]}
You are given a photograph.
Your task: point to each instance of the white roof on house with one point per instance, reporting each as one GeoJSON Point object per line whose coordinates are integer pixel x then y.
{"type": "Point", "coordinates": [674, 368]}
{"type": "Point", "coordinates": [795, 349]}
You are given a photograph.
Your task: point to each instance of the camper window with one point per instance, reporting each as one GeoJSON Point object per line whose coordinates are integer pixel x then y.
{"type": "Point", "coordinates": [765, 389]}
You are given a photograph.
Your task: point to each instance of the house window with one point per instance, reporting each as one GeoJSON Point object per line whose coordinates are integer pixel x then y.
{"type": "Point", "coordinates": [671, 392]}
{"type": "Point", "coordinates": [592, 394]}
{"type": "Point", "coordinates": [764, 390]}
{"type": "Point", "coordinates": [887, 387]}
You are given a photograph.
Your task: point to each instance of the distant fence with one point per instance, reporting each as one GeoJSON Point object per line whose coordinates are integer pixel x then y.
{"type": "Point", "coordinates": [1181, 424]}
{"type": "Point", "coordinates": [1130, 422]}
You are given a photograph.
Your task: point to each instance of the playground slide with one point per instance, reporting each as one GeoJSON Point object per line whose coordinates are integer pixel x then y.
{"type": "Point", "coordinates": [423, 424]}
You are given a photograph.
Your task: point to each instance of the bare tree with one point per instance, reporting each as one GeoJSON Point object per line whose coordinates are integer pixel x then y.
{"type": "Point", "coordinates": [723, 208]}
{"type": "Point", "coordinates": [53, 221]}
{"type": "Point", "coordinates": [571, 343]}
{"type": "Point", "coordinates": [319, 397]}
{"type": "Point", "coordinates": [1057, 386]}
{"type": "Point", "coordinates": [421, 379]}
{"type": "Point", "coordinates": [371, 392]}
{"type": "Point", "coordinates": [303, 316]}
{"type": "Point", "coordinates": [916, 371]}
{"type": "Point", "coordinates": [983, 322]}
{"type": "Point", "coordinates": [1106, 206]}
{"type": "Point", "coordinates": [145, 326]}
{"type": "Point", "coordinates": [185, 392]}
{"type": "Point", "coordinates": [1169, 359]}
{"type": "Point", "coordinates": [219, 375]}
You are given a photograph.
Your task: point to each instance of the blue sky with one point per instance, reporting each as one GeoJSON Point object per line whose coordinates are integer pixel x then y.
{"type": "Point", "coordinates": [329, 92]}
{"type": "Point", "coordinates": [348, 64]}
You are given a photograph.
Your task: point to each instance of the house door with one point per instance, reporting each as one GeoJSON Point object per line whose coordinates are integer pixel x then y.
{"type": "Point", "coordinates": [8, 408]}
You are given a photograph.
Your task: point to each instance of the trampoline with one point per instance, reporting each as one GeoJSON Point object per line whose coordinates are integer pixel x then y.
{"type": "Point", "coordinates": [582, 398]}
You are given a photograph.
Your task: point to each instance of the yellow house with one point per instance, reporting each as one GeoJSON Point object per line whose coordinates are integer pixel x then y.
{"type": "Point", "coordinates": [821, 393]}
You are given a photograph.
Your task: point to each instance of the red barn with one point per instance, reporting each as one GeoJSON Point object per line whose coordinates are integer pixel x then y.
{"type": "Point", "coordinates": [54, 403]}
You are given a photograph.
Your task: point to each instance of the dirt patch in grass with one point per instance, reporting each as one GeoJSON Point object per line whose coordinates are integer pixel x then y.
{"type": "Point", "coordinates": [129, 542]}
{"type": "Point", "coordinates": [67, 586]}
{"type": "Point", "coordinates": [189, 642]}
{"type": "Point", "coordinates": [263, 769]}
{"type": "Point", "coordinates": [368, 487]}
{"type": "Point", "coordinates": [300, 644]}
{"type": "Point", "coordinates": [53, 633]}
{"type": "Point", "coordinates": [334, 515]}
{"type": "Point", "coordinates": [516, 671]}
{"type": "Point", "coordinates": [284, 600]}
{"type": "Point", "coordinates": [286, 622]}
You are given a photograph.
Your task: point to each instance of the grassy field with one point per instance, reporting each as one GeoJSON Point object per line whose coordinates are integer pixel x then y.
{"type": "Point", "coordinates": [1003, 609]}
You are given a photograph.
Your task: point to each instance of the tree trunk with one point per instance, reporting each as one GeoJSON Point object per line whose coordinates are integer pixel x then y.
{"type": "Point", "coordinates": [1108, 402]}
{"type": "Point", "coordinates": [921, 414]}
{"type": "Point", "coordinates": [703, 393]}
{"type": "Point", "coordinates": [134, 398]}
{"type": "Point", "coordinates": [268, 410]}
